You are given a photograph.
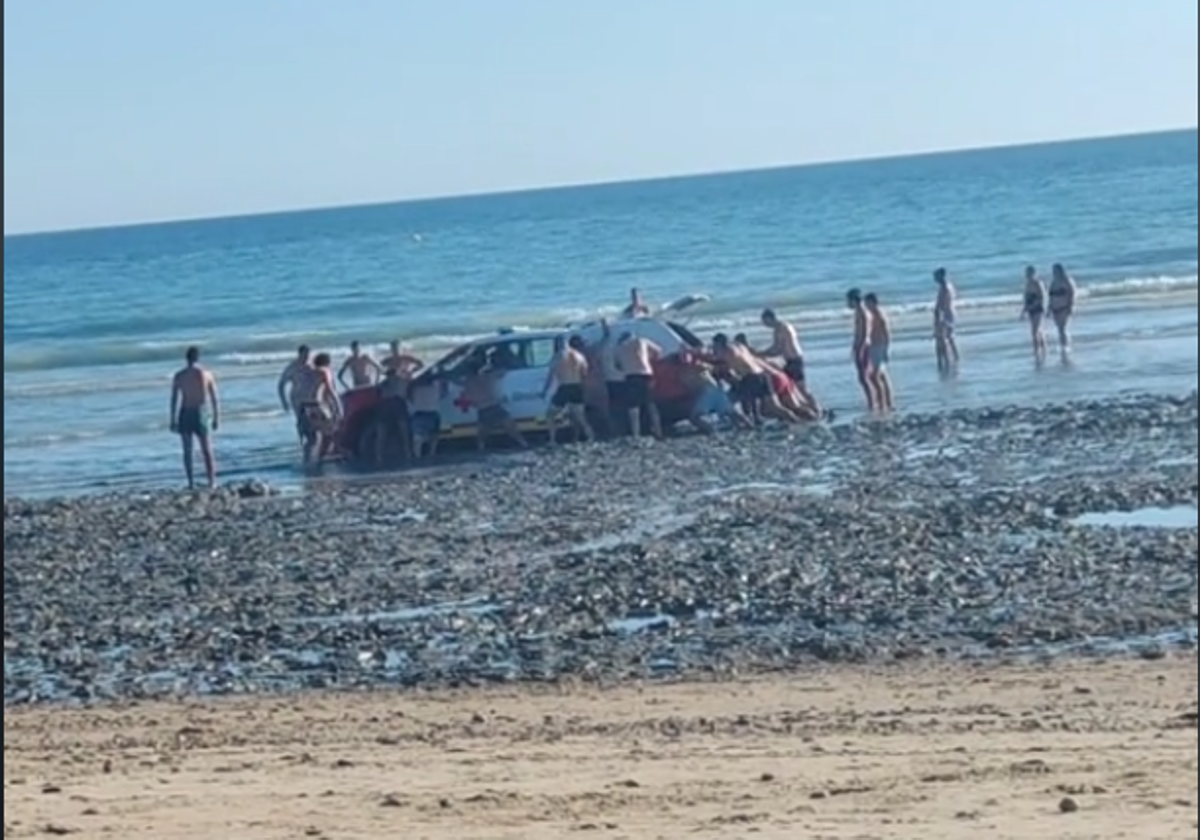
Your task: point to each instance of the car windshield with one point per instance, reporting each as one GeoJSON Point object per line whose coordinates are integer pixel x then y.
{"type": "Point", "coordinates": [689, 338]}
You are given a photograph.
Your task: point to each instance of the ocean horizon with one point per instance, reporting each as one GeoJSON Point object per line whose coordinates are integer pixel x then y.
{"type": "Point", "coordinates": [96, 319]}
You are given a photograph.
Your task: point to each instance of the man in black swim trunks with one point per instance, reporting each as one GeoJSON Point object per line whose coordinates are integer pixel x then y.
{"type": "Point", "coordinates": [636, 357]}
{"type": "Point", "coordinates": [195, 413]}
{"type": "Point", "coordinates": [569, 369]}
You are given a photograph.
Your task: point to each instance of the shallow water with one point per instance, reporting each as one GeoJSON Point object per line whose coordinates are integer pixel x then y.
{"type": "Point", "coordinates": [1178, 516]}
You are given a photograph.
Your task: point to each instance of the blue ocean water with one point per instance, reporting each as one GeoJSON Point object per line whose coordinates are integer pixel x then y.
{"type": "Point", "coordinates": [96, 321]}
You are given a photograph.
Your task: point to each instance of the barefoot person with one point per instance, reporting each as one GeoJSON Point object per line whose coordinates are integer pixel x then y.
{"type": "Point", "coordinates": [879, 351]}
{"type": "Point", "coordinates": [287, 384]}
{"type": "Point", "coordinates": [1033, 307]}
{"type": "Point", "coordinates": [319, 408]}
{"type": "Point", "coordinates": [569, 371]}
{"type": "Point", "coordinates": [1062, 293]}
{"type": "Point", "coordinates": [614, 381]}
{"type": "Point", "coordinates": [709, 399]}
{"type": "Point", "coordinates": [860, 347]}
{"type": "Point", "coordinates": [636, 357]}
{"type": "Point", "coordinates": [945, 344]}
{"type": "Point", "coordinates": [364, 371]}
{"type": "Point", "coordinates": [195, 415]}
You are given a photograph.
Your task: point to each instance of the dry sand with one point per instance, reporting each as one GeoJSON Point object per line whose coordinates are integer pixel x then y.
{"type": "Point", "coordinates": [912, 751]}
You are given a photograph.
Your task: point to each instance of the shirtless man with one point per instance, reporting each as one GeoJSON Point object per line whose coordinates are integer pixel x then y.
{"type": "Point", "coordinates": [785, 345]}
{"type": "Point", "coordinates": [860, 348]}
{"type": "Point", "coordinates": [753, 382]}
{"type": "Point", "coordinates": [482, 389]}
{"type": "Point", "coordinates": [403, 363]}
{"type": "Point", "coordinates": [945, 344]}
{"type": "Point", "coordinates": [879, 350]}
{"type": "Point", "coordinates": [195, 414]}
{"type": "Point", "coordinates": [637, 307]}
{"type": "Point", "coordinates": [364, 371]}
{"type": "Point", "coordinates": [635, 356]}
{"type": "Point", "coordinates": [569, 370]}
{"type": "Point", "coordinates": [614, 380]}
{"type": "Point", "coordinates": [710, 399]}
{"type": "Point", "coordinates": [319, 408]}
{"type": "Point", "coordinates": [287, 384]}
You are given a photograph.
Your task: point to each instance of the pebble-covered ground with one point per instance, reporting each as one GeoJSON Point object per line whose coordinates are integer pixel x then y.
{"type": "Point", "coordinates": [954, 534]}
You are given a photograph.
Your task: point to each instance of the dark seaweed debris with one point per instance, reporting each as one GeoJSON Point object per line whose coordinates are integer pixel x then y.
{"type": "Point", "coordinates": [924, 535]}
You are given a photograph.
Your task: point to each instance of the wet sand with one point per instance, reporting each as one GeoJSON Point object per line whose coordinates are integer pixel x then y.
{"type": "Point", "coordinates": [914, 750]}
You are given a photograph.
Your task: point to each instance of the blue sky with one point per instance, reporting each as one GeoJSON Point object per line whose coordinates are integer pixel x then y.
{"type": "Point", "coordinates": [131, 110]}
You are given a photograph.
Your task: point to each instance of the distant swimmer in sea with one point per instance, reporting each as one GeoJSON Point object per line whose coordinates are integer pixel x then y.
{"type": "Point", "coordinates": [860, 347]}
{"type": "Point", "coordinates": [195, 415]}
{"type": "Point", "coordinates": [945, 344]}
{"type": "Point", "coordinates": [636, 357]}
{"type": "Point", "coordinates": [785, 345]}
{"type": "Point", "coordinates": [403, 363]}
{"type": "Point", "coordinates": [637, 307]}
{"type": "Point", "coordinates": [1033, 307]}
{"type": "Point", "coordinates": [568, 372]}
{"type": "Point", "coordinates": [1062, 293]}
{"type": "Point", "coordinates": [364, 371]}
{"type": "Point", "coordinates": [879, 351]}
{"type": "Point", "coordinates": [287, 384]}
{"type": "Point", "coordinates": [319, 408]}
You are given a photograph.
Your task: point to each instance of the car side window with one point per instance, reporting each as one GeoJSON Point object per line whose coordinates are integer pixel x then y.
{"type": "Point", "coordinates": [539, 352]}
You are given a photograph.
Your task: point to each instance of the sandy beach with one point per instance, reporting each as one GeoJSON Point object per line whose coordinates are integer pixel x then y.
{"type": "Point", "coordinates": [1100, 748]}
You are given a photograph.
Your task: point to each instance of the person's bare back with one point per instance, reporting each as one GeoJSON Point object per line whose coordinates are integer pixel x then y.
{"type": "Point", "coordinates": [571, 367]}
{"type": "Point", "coordinates": [193, 385]}
{"type": "Point", "coordinates": [636, 356]}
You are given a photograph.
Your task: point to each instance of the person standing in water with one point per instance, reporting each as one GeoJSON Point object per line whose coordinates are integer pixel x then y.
{"type": "Point", "coordinates": [364, 371]}
{"type": "Point", "coordinates": [288, 379]}
{"type": "Point", "coordinates": [879, 351]}
{"type": "Point", "coordinates": [860, 347]}
{"type": "Point", "coordinates": [569, 370]}
{"type": "Point", "coordinates": [1033, 307]}
{"type": "Point", "coordinates": [319, 408]}
{"type": "Point", "coordinates": [195, 415]}
{"type": "Point", "coordinates": [945, 343]}
{"type": "Point", "coordinates": [1062, 294]}
{"type": "Point", "coordinates": [636, 357]}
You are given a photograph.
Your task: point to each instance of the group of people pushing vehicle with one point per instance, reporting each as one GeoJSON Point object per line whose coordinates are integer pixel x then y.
{"type": "Point", "coordinates": [611, 387]}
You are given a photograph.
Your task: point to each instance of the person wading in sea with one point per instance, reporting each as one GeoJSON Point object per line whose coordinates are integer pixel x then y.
{"type": "Point", "coordinates": [319, 408]}
{"type": "Point", "coordinates": [569, 371]}
{"type": "Point", "coordinates": [880, 352]}
{"type": "Point", "coordinates": [945, 344]}
{"type": "Point", "coordinates": [364, 371]}
{"type": "Point", "coordinates": [860, 347]}
{"type": "Point", "coordinates": [287, 385]}
{"type": "Point", "coordinates": [195, 415]}
{"type": "Point", "coordinates": [1062, 293]}
{"type": "Point", "coordinates": [1033, 307]}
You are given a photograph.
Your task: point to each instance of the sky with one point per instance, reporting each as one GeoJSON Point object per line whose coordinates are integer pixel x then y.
{"type": "Point", "coordinates": [138, 110]}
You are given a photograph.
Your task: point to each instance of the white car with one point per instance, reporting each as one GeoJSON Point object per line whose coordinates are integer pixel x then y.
{"type": "Point", "coordinates": [526, 355]}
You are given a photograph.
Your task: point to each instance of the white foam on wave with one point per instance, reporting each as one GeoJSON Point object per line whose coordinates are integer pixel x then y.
{"type": "Point", "coordinates": [276, 348]}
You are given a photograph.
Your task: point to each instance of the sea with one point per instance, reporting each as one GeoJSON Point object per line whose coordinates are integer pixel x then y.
{"type": "Point", "coordinates": [96, 321]}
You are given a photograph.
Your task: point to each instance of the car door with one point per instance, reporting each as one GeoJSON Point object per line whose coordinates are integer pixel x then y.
{"type": "Point", "coordinates": [523, 386]}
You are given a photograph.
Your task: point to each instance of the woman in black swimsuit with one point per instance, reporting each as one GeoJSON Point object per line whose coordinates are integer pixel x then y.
{"type": "Point", "coordinates": [1062, 304]}
{"type": "Point", "coordinates": [1034, 309]}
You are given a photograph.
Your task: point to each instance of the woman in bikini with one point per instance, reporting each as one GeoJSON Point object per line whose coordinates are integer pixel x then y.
{"type": "Point", "coordinates": [1034, 308]}
{"type": "Point", "coordinates": [1061, 295]}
